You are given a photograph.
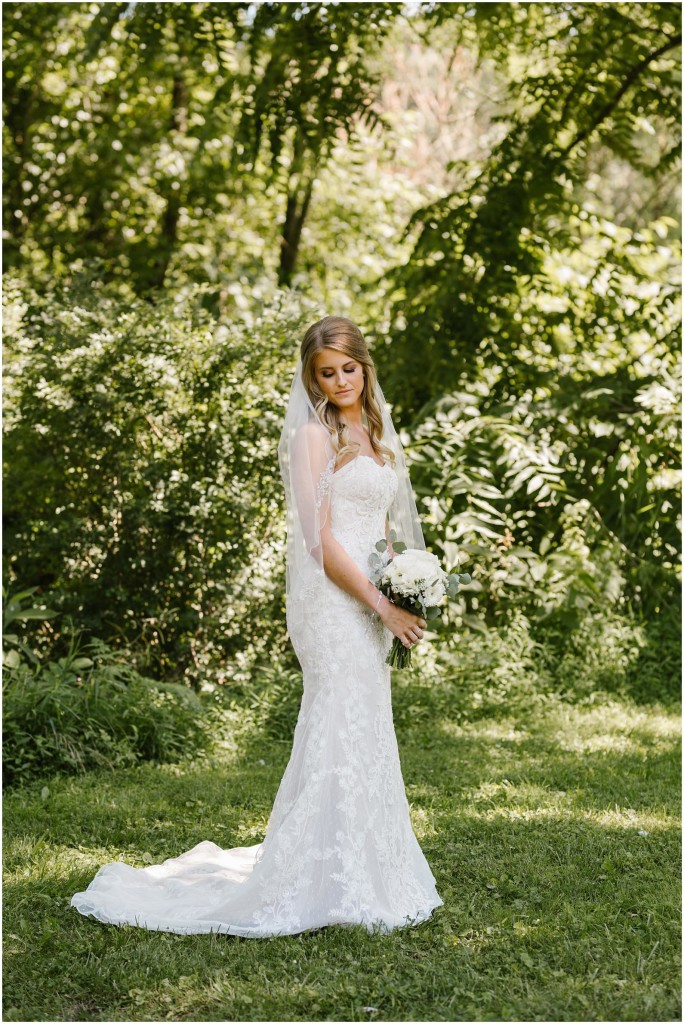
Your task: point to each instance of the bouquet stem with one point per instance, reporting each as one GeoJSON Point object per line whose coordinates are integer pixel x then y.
{"type": "Point", "coordinates": [400, 655]}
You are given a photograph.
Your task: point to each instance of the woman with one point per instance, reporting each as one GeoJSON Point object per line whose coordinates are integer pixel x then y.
{"type": "Point", "coordinates": [339, 847]}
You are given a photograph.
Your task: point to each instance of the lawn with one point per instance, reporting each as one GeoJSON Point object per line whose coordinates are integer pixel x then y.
{"type": "Point", "coordinates": [553, 833]}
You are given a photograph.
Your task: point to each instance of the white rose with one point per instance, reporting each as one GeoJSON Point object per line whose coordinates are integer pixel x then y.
{"type": "Point", "coordinates": [414, 572]}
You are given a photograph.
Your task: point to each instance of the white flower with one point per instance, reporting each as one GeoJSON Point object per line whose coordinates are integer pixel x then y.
{"type": "Point", "coordinates": [415, 572]}
{"type": "Point", "coordinates": [434, 594]}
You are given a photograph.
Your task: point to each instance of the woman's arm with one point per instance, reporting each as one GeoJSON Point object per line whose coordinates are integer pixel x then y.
{"type": "Point", "coordinates": [312, 494]}
{"type": "Point", "coordinates": [343, 570]}
{"type": "Point", "coordinates": [338, 565]}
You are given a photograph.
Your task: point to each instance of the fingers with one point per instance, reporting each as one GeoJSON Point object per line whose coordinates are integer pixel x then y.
{"type": "Point", "coordinates": [412, 637]}
{"type": "Point", "coordinates": [412, 633]}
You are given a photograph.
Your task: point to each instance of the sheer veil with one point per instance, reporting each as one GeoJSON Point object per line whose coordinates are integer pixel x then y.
{"type": "Point", "coordinates": [307, 462]}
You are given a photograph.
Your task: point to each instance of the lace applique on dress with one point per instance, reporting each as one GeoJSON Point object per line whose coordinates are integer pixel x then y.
{"type": "Point", "coordinates": [324, 482]}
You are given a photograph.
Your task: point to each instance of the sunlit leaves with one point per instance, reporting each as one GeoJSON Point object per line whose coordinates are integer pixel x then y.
{"type": "Point", "coordinates": [140, 456]}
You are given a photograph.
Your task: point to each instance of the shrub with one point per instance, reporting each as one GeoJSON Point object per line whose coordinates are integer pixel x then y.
{"type": "Point", "coordinates": [80, 712]}
{"type": "Point", "coordinates": [526, 663]}
{"type": "Point", "coordinates": [617, 654]}
{"type": "Point", "coordinates": [142, 472]}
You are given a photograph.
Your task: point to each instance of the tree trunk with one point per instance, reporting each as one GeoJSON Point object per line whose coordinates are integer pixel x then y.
{"type": "Point", "coordinates": [169, 223]}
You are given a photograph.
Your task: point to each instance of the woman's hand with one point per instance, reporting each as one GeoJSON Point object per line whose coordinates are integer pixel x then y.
{"type": "Point", "coordinates": [403, 623]}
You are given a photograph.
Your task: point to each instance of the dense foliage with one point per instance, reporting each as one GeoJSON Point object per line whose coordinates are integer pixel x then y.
{"type": "Point", "coordinates": [150, 434]}
{"type": "Point", "coordinates": [81, 712]}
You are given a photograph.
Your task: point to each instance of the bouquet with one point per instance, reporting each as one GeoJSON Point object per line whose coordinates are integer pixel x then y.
{"type": "Point", "coordinates": [412, 579]}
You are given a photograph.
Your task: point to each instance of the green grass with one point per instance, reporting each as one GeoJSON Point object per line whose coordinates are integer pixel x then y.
{"type": "Point", "coordinates": [553, 835]}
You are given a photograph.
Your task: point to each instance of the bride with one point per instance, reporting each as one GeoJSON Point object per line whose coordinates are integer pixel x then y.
{"type": "Point", "coordinates": [339, 847]}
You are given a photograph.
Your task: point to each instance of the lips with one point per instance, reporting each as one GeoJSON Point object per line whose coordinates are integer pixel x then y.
{"type": "Point", "coordinates": [347, 392]}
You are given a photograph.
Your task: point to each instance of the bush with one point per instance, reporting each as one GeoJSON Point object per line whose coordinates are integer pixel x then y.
{"type": "Point", "coordinates": [496, 672]}
{"type": "Point", "coordinates": [142, 476]}
{"type": "Point", "coordinates": [477, 675]}
{"type": "Point", "coordinates": [78, 712]}
{"type": "Point", "coordinates": [617, 654]}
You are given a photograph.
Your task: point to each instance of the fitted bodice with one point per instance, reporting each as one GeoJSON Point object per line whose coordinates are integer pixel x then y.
{"type": "Point", "coordinates": [361, 492]}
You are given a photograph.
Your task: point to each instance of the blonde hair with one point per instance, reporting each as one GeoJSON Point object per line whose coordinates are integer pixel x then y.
{"type": "Point", "coordinates": [341, 334]}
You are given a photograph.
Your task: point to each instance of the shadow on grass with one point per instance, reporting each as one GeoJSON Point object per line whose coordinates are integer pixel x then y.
{"type": "Point", "coordinates": [532, 826]}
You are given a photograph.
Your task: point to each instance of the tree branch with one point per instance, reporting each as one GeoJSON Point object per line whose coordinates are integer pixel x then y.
{"type": "Point", "coordinates": [608, 108]}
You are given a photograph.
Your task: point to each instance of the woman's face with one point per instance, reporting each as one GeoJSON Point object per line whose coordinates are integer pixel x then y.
{"type": "Point", "coordinates": [339, 377]}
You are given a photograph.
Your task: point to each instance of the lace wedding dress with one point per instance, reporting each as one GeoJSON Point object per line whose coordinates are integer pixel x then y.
{"type": "Point", "coordinates": [339, 847]}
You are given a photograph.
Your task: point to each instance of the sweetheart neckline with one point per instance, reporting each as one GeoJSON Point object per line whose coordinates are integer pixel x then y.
{"type": "Point", "coordinates": [351, 462]}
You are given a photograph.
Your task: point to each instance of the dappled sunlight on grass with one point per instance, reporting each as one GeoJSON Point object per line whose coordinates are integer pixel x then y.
{"type": "Point", "coordinates": [563, 750]}
{"type": "Point", "coordinates": [422, 792]}
{"type": "Point", "coordinates": [551, 831]}
{"type": "Point", "coordinates": [575, 727]}
{"type": "Point", "coordinates": [487, 729]}
{"type": "Point", "coordinates": [528, 801]}
{"type": "Point", "coordinates": [629, 819]}
{"type": "Point", "coordinates": [423, 822]}
{"type": "Point", "coordinates": [525, 795]}
{"type": "Point", "coordinates": [613, 726]}
{"type": "Point", "coordinates": [24, 857]}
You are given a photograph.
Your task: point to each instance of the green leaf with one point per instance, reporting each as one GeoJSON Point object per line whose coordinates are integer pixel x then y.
{"type": "Point", "coordinates": [81, 663]}
{"type": "Point", "coordinates": [36, 613]}
{"type": "Point", "coordinates": [11, 659]}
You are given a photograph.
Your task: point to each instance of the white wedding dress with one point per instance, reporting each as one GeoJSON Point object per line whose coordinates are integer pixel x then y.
{"type": "Point", "coordinates": [339, 847]}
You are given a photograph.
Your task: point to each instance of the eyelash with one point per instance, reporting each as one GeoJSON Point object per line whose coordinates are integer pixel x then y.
{"type": "Point", "coordinates": [346, 371]}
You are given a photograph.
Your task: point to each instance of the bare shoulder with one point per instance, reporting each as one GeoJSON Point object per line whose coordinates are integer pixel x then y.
{"type": "Point", "coordinates": [315, 438]}
{"type": "Point", "coordinates": [312, 429]}
{"type": "Point", "coordinates": [313, 433]}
